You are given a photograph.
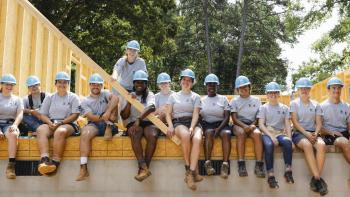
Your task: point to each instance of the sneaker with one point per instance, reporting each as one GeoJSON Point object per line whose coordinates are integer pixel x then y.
{"type": "Point", "coordinates": [259, 169]}
{"type": "Point", "coordinates": [143, 173]}
{"type": "Point", "coordinates": [242, 170]}
{"type": "Point", "coordinates": [108, 133]}
{"type": "Point", "coordinates": [10, 170]}
{"type": "Point", "coordinates": [209, 168]}
{"type": "Point", "coordinates": [46, 166]}
{"type": "Point", "coordinates": [84, 173]}
{"type": "Point", "coordinates": [321, 188]}
{"type": "Point", "coordinates": [224, 170]}
{"type": "Point", "coordinates": [190, 180]}
{"type": "Point", "coordinates": [288, 175]}
{"type": "Point", "coordinates": [313, 184]}
{"type": "Point", "coordinates": [272, 182]}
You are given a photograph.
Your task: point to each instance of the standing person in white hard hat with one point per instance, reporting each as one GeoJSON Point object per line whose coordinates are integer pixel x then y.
{"type": "Point", "coordinates": [274, 121]}
{"type": "Point", "coordinates": [126, 66]}
{"type": "Point", "coordinates": [307, 123]}
{"type": "Point", "coordinates": [100, 108]}
{"type": "Point", "coordinates": [183, 121]}
{"type": "Point", "coordinates": [139, 126]}
{"type": "Point", "coordinates": [336, 118]}
{"type": "Point", "coordinates": [215, 113]}
{"type": "Point", "coordinates": [59, 113]}
{"type": "Point", "coordinates": [11, 113]}
{"type": "Point", "coordinates": [32, 103]}
{"type": "Point", "coordinates": [163, 82]}
{"type": "Point", "coordinates": [244, 110]}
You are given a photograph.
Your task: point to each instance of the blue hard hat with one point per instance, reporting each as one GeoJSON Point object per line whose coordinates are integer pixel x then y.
{"type": "Point", "coordinates": [140, 75]}
{"type": "Point", "coordinates": [62, 76]}
{"type": "Point", "coordinates": [211, 78]}
{"type": "Point", "coordinates": [133, 44]}
{"type": "Point", "coordinates": [334, 81]}
{"type": "Point", "coordinates": [163, 78]}
{"type": "Point", "coordinates": [32, 80]}
{"type": "Point", "coordinates": [272, 87]}
{"type": "Point", "coordinates": [242, 81]}
{"type": "Point", "coordinates": [8, 78]}
{"type": "Point", "coordinates": [96, 78]}
{"type": "Point", "coordinates": [303, 83]}
{"type": "Point", "coordinates": [188, 73]}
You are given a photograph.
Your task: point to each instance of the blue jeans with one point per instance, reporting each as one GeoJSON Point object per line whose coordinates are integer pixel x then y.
{"type": "Point", "coordinates": [269, 150]}
{"type": "Point", "coordinates": [101, 127]}
{"type": "Point", "coordinates": [30, 123]}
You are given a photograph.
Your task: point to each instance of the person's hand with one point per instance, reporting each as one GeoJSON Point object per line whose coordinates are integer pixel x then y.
{"type": "Point", "coordinates": [311, 137]}
{"type": "Point", "coordinates": [13, 128]}
{"type": "Point", "coordinates": [133, 95]}
{"type": "Point", "coordinates": [252, 127]}
{"type": "Point", "coordinates": [216, 132]}
{"type": "Point", "coordinates": [170, 132]}
{"type": "Point", "coordinates": [247, 129]}
{"type": "Point", "coordinates": [106, 116]}
{"type": "Point", "coordinates": [133, 129]}
{"type": "Point", "coordinates": [191, 130]}
{"type": "Point", "coordinates": [337, 134]}
{"type": "Point", "coordinates": [274, 140]}
{"type": "Point", "coordinates": [53, 126]}
{"type": "Point", "coordinates": [113, 79]}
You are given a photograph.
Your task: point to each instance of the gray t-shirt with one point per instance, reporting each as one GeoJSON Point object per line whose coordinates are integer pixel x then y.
{"type": "Point", "coordinates": [184, 104]}
{"type": "Point", "coordinates": [161, 99]}
{"type": "Point", "coordinates": [274, 115]}
{"type": "Point", "coordinates": [335, 116]}
{"type": "Point", "coordinates": [126, 71]}
{"type": "Point", "coordinates": [95, 105]}
{"type": "Point", "coordinates": [134, 113]}
{"type": "Point", "coordinates": [59, 108]}
{"type": "Point", "coordinates": [212, 108]}
{"type": "Point", "coordinates": [10, 106]}
{"type": "Point", "coordinates": [246, 108]}
{"type": "Point", "coordinates": [306, 113]}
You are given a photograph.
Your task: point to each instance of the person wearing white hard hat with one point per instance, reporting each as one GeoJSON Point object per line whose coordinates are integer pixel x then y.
{"type": "Point", "coordinates": [163, 82]}
{"type": "Point", "coordinates": [274, 122]}
{"type": "Point", "coordinates": [183, 121]}
{"type": "Point", "coordinates": [336, 118]}
{"type": "Point", "coordinates": [215, 113]}
{"type": "Point", "coordinates": [59, 113]}
{"type": "Point", "coordinates": [100, 108]}
{"type": "Point", "coordinates": [126, 66]}
{"type": "Point", "coordinates": [11, 113]}
{"type": "Point", "coordinates": [139, 126]}
{"type": "Point", "coordinates": [32, 103]}
{"type": "Point", "coordinates": [307, 123]}
{"type": "Point", "coordinates": [244, 110]}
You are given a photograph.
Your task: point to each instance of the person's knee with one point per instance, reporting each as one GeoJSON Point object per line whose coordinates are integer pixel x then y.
{"type": "Point", "coordinates": [60, 133]}
{"type": "Point", "coordinates": [197, 139]}
{"type": "Point", "coordinates": [209, 133]}
{"type": "Point", "coordinates": [12, 135]}
{"type": "Point", "coordinates": [226, 134]}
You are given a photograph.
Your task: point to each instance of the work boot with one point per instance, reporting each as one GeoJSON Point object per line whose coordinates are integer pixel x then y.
{"type": "Point", "coordinates": [10, 171]}
{"type": "Point", "coordinates": [84, 173]}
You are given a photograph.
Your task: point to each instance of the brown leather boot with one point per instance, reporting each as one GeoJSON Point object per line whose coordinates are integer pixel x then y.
{"type": "Point", "coordinates": [84, 173]}
{"type": "Point", "coordinates": [10, 171]}
{"type": "Point", "coordinates": [143, 173]}
{"type": "Point", "coordinates": [45, 166]}
{"type": "Point", "coordinates": [189, 179]}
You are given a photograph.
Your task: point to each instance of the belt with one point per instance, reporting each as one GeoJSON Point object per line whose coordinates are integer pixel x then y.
{"type": "Point", "coordinates": [186, 118]}
{"type": "Point", "coordinates": [10, 121]}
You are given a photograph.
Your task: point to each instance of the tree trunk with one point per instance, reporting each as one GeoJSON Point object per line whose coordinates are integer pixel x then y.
{"type": "Point", "coordinates": [207, 46]}
{"type": "Point", "coordinates": [241, 40]}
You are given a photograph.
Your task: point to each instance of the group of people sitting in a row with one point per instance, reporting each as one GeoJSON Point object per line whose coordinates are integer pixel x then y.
{"type": "Point", "coordinates": [187, 115]}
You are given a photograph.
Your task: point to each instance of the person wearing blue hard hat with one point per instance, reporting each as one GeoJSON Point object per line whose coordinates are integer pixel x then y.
{"type": "Point", "coordinates": [126, 66]}
{"type": "Point", "coordinates": [215, 113]}
{"type": "Point", "coordinates": [32, 103]}
{"type": "Point", "coordinates": [100, 108]}
{"type": "Point", "coordinates": [139, 126]}
{"type": "Point", "coordinates": [336, 118]}
{"type": "Point", "coordinates": [244, 109]}
{"type": "Point", "coordinates": [11, 113]}
{"type": "Point", "coordinates": [59, 113]}
{"type": "Point", "coordinates": [183, 121]}
{"type": "Point", "coordinates": [274, 122]}
{"type": "Point", "coordinates": [307, 122]}
{"type": "Point", "coordinates": [163, 82]}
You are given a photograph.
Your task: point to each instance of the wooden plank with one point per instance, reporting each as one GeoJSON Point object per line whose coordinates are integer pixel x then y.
{"type": "Point", "coordinates": [37, 48]}
{"type": "Point", "coordinates": [47, 76]}
{"type": "Point", "coordinates": [3, 14]}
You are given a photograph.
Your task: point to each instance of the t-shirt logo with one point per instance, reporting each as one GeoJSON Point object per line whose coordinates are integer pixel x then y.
{"type": "Point", "coordinates": [311, 110]}
{"type": "Point", "coordinates": [279, 112]}
{"type": "Point", "coordinates": [341, 111]}
{"type": "Point", "coordinates": [249, 105]}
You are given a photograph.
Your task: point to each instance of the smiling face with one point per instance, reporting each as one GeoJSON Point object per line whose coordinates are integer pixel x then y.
{"type": "Point", "coordinates": [211, 88]}
{"type": "Point", "coordinates": [140, 86]}
{"type": "Point", "coordinates": [273, 96]}
{"type": "Point", "coordinates": [304, 92]}
{"type": "Point", "coordinates": [7, 88]}
{"type": "Point", "coordinates": [131, 55]}
{"type": "Point", "coordinates": [62, 85]}
{"type": "Point", "coordinates": [186, 83]}
{"type": "Point", "coordinates": [244, 91]}
{"type": "Point", "coordinates": [334, 91]}
{"type": "Point", "coordinates": [95, 88]}
{"type": "Point", "coordinates": [164, 87]}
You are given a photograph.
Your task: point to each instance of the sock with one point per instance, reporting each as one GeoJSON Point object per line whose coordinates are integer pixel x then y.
{"type": "Point", "coordinates": [12, 160]}
{"type": "Point", "coordinates": [225, 162]}
{"type": "Point", "coordinates": [44, 155]}
{"type": "Point", "coordinates": [83, 160]}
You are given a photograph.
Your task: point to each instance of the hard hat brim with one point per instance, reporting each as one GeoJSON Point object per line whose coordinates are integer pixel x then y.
{"type": "Point", "coordinates": [248, 83]}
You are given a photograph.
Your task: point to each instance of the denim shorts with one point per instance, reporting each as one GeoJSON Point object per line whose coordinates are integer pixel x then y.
{"type": "Point", "coordinates": [297, 136]}
{"type": "Point", "coordinates": [329, 140]}
{"type": "Point", "coordinates": [101, 127]}
{"type": "Point", "coordinates": [214, 125]}
{"type": "Point", "coordinates": [4, 127]}
{"type": "Point", "coordinates": [30, 123]}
